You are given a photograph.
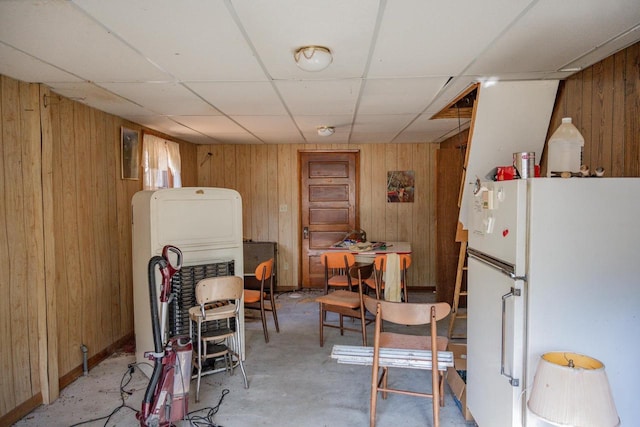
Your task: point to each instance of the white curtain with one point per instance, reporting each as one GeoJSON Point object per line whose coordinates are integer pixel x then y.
{"type": "Point", "coordinates": [173, 161]}
{"type": "Point", "coordinates": [160, 163]}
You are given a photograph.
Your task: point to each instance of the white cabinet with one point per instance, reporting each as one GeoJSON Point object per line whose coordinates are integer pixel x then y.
{"type": "Point", "coordinates": [204, 223]}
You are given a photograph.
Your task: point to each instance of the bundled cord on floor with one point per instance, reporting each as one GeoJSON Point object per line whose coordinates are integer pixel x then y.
{"type": "Point", "coordinates": [123, 392]}
{"type": "Point", "coordinates": [202, 417]}
{"type": "Point", "coordinates": [207, 419]}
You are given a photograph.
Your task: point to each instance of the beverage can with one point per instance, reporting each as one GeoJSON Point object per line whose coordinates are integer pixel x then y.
{"type": "Point", "coordinates": [524, 164]}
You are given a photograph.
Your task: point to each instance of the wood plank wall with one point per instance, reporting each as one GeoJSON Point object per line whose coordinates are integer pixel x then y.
{"type": "Point", "coordinates": [22, 304]}
{"type": "Point", "coordinates": [92, 233]}
{"type": "Point", "coordinates": [604, 104]}
{"type": "Point", "coordinates": [65, 221]}
{"type": "Point", "coordinates": [450, 164]}
{"type": "Point", "coordinates": [266, 176]}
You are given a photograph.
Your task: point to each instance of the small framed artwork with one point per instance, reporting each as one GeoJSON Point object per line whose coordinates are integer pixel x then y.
{"type": "Point", "coordinates": [400, 186]}
{"type": "Point", "coordinates": [129, 153]}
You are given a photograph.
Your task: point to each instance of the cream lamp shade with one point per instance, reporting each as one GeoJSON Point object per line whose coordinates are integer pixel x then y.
{"type": "Point", "coordinates": [571, 389]}
{"type": "Point", "coordinates": [313, 58]}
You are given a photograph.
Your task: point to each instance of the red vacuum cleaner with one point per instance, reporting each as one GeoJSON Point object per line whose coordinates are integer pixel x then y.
{"type": "Point", "coordinates": [167, 396]}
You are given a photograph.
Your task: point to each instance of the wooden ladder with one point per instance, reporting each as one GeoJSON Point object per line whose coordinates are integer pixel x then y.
{"type": "Point", "coordinates": [462, 237]}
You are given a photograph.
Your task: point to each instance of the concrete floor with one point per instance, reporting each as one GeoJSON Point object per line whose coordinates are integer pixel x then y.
{"type": "Point", "coordinates": [292, 382]}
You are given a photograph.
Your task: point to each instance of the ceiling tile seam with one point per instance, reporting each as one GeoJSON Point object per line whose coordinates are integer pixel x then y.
{"type": "Point", "coordinates": [192, 129]}
{"type": "Point", "coordinates": [501, 34]}
{"type": "Point", "coordinates": [169, 117]}
{"type": "Point", "coordinates": [478, 55]}
{"type": "Point", "coordinates": [125, 43]}
{"type": "Point", "coordinates": [382, 6]}
{"type": "Point", "coordinates": [247, 39]}
{"type": "Point", "coordinates": [418, 115]}
{"type": "Point", "coordinates": [43, 61]}
{"type": "Point", "coordinates": [174, 80]}
{"type": "Point", "coordinates": [222, 113]}
{"type": "Point", "coordinates": [635, 27]}
{"type": "Point", "coordinates": [122, 40]}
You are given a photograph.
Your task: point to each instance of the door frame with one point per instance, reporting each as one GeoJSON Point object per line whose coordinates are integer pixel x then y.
{"type": "Point", "coordinates": [301, 259]}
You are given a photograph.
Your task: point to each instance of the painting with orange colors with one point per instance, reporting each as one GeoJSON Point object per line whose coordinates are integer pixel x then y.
{"type": "Point", "coordinates": [400, 186]}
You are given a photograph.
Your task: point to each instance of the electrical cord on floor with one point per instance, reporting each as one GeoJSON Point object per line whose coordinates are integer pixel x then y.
{"type": "Point", "coordinates": [123, 392]}
{"type": "Point", "coordinates": [207, 419]}
{"type": "Point", "coordinates": [194, 419]}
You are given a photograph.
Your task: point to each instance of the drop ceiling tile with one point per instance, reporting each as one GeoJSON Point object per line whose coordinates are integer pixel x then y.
{"type": "Point", "coordinates": [98, 98]}
{"type": "Point", "coordinates": [320, 97]}
{"type": "Point", "coordinates": [369, 137]}
{"type": "Point", "coordinates": [197, 138]}
{"type": "Point", "coordinates": [261, 124]}
{"type": "Point", "coordinates": [399, 96]}
{"type": "Point", "coordinates": [378, 128]}
{"type": "Point", "coordinates": [163, 98]}
{"type": "Point", "coordinates": [211, 125]}
{"type": "Point", "coordinates": [604, 50]}
{"type": "Point", "coordinates": [163, 124]}
{"type": "Point", "coordinates": [424, 129]}
{"type": "Point", "coordinates": [24, 67]}
{"type": "Point", "coordinates": [552, 35]}
{"type": "Point", "coordinates": [278, 28]}
{"type": "Point", "coordinates": [237, 138]}
{"type": "Point", "coordinates": [280, 138]}
{"type": "Point", "coordinates": [245, 98]}
{"type": "Point", "coordinates": [379, 122]}
{"type": "Point", "coordinates": [190, 39]}
{"type": "Point", "coordinates": [436, 38]}
{"type": "Point", "coordinates": [62, 35]}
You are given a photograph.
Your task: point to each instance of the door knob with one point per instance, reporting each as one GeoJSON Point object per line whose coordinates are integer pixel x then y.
{"type": "Point", "coordinates": [305, 233]}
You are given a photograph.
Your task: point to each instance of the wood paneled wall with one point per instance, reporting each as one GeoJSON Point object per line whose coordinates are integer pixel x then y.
{"type": "Point", "coordinates": [22, 289]}
{"type": "Point", "coordinates": [267, 178]}
{"type": "Point", "coordinates": [65, 221]}
{"type": "Point", "coordinates": [604, 104]}
{"type": "Point", "coordinates": [450, 165]}
{"type": "Point", "coordinates": [91, 214]}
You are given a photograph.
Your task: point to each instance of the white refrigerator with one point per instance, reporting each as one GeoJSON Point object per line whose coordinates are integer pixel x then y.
{"type": "Point", "coordinates": [554, 265]}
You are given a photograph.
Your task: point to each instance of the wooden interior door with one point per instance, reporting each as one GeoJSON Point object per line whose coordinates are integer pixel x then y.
{"type": "Point", "coordinates": [328, 206]}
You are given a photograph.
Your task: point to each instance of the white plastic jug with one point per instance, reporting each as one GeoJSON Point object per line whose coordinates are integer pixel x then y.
{"type": "Point", "coordinates": [565, 149]}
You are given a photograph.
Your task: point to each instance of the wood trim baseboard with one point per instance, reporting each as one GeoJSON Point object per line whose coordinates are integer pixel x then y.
{"type": "Point", "coordinates": [17, 413]}
{"type": "Point", "coordinates": [94, 360]}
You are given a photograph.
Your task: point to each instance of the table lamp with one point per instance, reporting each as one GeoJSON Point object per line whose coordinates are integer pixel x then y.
{"type": "Point", "coordinates": [571, 389]}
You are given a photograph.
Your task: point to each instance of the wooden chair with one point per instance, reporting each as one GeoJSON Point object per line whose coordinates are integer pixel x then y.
{"type": "Point", "coordinates": [256, 299]}
{"type": "Point", "coordinates": [377, 281]}
{"type": "Point", "coordinates": [346, 304]}
{"type": "Point", "coordinates": [336, 269]}
{"type": "Point", "coordinates": [407, 314]}
{"type": "Point", "coordinates": [216, 320]}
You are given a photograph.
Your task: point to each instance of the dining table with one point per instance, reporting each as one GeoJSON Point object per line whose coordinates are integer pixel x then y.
{"type": "Point", "coordinates": [367, 255]}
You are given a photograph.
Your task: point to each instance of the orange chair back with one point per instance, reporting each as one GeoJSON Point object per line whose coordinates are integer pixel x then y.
{"type": "Point", "coordinates": [337, 259]}
{"type": "Point", "coordinates": [380, 262]}
{"type": "Point", "coordinates": [405, 261]}
{"type": "Point", "coordinates": [264, 269]}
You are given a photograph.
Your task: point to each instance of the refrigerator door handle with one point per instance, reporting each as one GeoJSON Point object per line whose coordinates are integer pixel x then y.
{"type": "Point", "coordinates": [495, 263]}
{"type": "Point", "coordinates": [515, 382]}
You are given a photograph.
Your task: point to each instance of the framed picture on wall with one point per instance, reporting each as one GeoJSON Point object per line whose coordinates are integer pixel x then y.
{"type": "Point", "coordinates": [400, 186]}
{"type": "Point", "coordinates": [129, 153]}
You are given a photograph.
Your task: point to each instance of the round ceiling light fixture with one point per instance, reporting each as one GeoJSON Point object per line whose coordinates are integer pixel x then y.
{"type": "Point", "coordinates": [326, 130]}
{"type": "Point", "coordinates": [313, 58]}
